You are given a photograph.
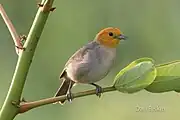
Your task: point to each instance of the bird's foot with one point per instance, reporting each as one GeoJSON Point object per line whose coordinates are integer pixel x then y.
{"type": "Point", "coordinates": [69, 96]}
{"type": "Point", "coordinates": [99, 89]}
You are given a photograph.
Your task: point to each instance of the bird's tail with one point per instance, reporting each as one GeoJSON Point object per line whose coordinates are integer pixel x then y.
{"type": "Point", "coordinates": [64, 88]}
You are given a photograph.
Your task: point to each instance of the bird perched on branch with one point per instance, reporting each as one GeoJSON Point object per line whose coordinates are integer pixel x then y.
{"type": "Point", "coordinates": [91, 63]}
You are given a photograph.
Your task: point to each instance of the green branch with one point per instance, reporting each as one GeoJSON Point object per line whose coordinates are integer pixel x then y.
{"type": "Point", "coordinates": [25, 106]}
{"type": "Point", "coordinates": [9, 111]}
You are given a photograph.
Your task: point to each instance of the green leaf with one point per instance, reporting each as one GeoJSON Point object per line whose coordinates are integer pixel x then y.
{"type": "Point", "coordinates": [168, 78]}
{"type": "Point", "coordinates": [136, 76]}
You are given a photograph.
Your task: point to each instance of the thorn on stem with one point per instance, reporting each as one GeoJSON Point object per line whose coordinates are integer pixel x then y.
{"type": "Point", "coordinates": [23, 37]}
{"type": "Point", "coordinates": [52, 9]}
{"type": "Point", "coordinates": [40, 5]}
{"type": "Point", "coordinates": [23, 100]}
{"type": "Point", "coordinates": [20, 48]}
{"type": "Point", "coordinates": [16, 104]}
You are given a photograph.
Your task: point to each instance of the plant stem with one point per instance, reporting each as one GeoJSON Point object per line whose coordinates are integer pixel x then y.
{"type": "Point", "coordinates": [12, 30]}
{"type": "Point", "coordinates": [25, 106]}
{"type": "Point", "coordinates": [8, 110]}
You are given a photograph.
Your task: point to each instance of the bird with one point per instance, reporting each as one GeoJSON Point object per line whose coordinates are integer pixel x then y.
{"type": "Point", "coordinates": [91, 63]}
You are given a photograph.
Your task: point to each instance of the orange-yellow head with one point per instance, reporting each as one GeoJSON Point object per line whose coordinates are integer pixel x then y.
{"type": "Point", "coordinates": [110, 37]}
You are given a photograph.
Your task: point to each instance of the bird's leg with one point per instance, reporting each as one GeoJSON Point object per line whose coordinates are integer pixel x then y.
{"type": "Point", "coordinates": [99, 89]}
{"type": "Point", "coordinates": [69, 93]}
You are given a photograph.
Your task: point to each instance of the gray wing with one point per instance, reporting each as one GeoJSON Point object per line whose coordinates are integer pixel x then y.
{"type": "Point", "coordinates": [78, 55]}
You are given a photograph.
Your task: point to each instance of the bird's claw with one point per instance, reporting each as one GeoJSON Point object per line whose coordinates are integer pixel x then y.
{"type": "Point", "coordinates": [99, 90]}
{"type": "Point", "coordinates": [69, 96]}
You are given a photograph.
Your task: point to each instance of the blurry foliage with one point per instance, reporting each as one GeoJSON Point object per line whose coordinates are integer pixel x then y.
{"type": "Point", "coordinates": [153, 31]}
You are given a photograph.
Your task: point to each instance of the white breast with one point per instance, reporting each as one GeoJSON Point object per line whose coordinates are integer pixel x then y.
{"type": "Point", "coordinates": [94, 66]}
{"type": "Point", "coordinates": [103, 63]}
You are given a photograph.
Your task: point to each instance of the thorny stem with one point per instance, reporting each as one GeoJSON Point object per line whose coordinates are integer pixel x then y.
{"type": "Point", "coordinates": [8, 110]}
{"type": "Point", "coordinates": [12, 30]}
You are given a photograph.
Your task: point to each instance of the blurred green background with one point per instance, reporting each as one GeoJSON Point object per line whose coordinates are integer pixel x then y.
{"type": "Point", "coordinates": [152, 28]}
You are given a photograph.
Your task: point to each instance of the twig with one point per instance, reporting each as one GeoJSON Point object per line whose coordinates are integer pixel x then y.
{"type": "Point", "coordinates": [25, 106]}
{"type": "Point", "coordinates": [12, 30]}
{"type": "Point", "coordinates": [8, 110]}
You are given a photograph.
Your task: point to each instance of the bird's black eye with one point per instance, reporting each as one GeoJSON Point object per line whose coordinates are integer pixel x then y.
{"type": "Point", "coordinates": [110, 34]}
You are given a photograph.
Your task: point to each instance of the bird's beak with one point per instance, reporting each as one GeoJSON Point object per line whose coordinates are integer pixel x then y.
{"type": "Point", "coordinates": [121, 37]}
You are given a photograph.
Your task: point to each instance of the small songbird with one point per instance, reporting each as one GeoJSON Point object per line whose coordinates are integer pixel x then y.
{"type": "Point", "coordinates": [92, 62]}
